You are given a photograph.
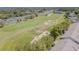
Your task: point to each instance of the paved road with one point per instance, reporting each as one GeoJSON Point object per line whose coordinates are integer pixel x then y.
{"type": "Point", "coordinates": [69, 41]}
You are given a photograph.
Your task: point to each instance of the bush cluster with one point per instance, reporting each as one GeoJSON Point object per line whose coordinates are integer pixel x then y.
{"type": "Point", "coordinates": [43, 44]}
{"type": "Point", "coordinates": [48, 41]}
{"type": "Point", "coordinates": [59, 29]}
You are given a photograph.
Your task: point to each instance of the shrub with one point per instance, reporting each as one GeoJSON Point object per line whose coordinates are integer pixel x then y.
{"type": "Point", "coordinates": [32, 16]}
{"type": "Point", "coordinates": [59, 29]}
{"type": "Point", "coordinates": [1, 26]}
{"type": "Point", "coordinates": [43, 44]}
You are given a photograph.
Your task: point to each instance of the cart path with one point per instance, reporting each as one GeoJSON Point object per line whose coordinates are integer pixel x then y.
{"type": "Point", "coordinates": [66, 43]}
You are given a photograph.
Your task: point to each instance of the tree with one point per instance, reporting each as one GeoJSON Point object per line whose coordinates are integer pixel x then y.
{"type": "Point", "coordinates": [76, 12]}
{"type": "Point", "coordinates": [14, 12]}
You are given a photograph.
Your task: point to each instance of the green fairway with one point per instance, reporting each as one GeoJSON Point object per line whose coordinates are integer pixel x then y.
{"type": "Point", "coordinates": [16, 36]}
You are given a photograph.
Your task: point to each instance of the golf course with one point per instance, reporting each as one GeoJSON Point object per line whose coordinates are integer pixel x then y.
{"type": "Point", "coordinates": [18, 36]}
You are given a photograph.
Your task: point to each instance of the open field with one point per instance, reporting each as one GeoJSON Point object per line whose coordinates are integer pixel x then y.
{"type": "Point", "coordinates": [16, 36]}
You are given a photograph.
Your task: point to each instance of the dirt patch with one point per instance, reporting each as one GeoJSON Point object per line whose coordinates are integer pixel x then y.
{"type": "Point", "coordinates": [37, 38]}
{"type": "Point", "coordinates": [42, 30]}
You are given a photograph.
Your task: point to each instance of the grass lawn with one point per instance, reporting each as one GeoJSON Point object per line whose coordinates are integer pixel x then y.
{"type": "Point", "coordinates": [16, 36]}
